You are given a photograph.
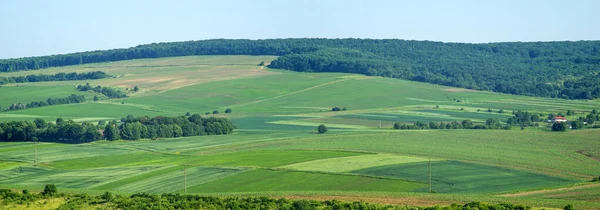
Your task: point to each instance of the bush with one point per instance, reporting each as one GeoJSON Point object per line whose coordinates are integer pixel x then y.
{"type": "Point", "coordinates": [322, 128]}
{"type": "Point", "coordinates": [559, 126]}
{"type": "Point", "coordinates": [49, 190]}
{"type": "Point", "coordinates": [335, 109]}
{"type": "Point", "coordinates": [215, 112]}
{"type": "Point", "coordinates": [228, 110]}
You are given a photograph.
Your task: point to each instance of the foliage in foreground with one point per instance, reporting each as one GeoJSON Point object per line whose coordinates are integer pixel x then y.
{"type": "Point", "coordinates": [177, 201]}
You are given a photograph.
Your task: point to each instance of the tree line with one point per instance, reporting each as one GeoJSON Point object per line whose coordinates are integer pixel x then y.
{"type": "Point", "coordinates": [548, 69]}
{"type": "Point", "coordinates": [73, 98]}
{"type": "Point", "coordinates": [107, 91]}
{"type": "Point", "coordinates": [130, 128]}
{"type": "Point", "coordinates": [465, 124]}
{"type": "Point", "coordinates": [55, 77]}
{"type": "Point", "coordinates": [178, 201]}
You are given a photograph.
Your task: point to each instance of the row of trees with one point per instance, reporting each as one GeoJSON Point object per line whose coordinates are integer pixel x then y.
{"type": "Point", "coordinates": [107, 91]}
{"type": "Point", "coordinates": [55, 77]}
{"type": "Point", "coordinates": [548, 69]}
{"type": "Point", "coordinates": [49, 102]}
{"type": "Point", "coordinates": [178, 201]}
{"type": "Point", "coordinates": [131, 129]}
{"type": "Point", "coordinates": [465, 124]}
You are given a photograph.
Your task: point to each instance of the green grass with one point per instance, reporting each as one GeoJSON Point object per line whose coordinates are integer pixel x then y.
{"type": "Point", "coordinates": [267, 180]}
{"type": "Point", "coordinates": [348, 164]}
{"type": "Point", "coordinates": [173, 181]}
{"type": "Point", "coordinates": [26, 93]}
{"type": "Point", "coordinates": [460, 177]}
{"type": "Point", "coordinates": [250, 159]}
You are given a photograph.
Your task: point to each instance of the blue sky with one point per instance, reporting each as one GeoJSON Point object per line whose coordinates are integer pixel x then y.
{"type": "Point", "coordinates": [40, 27]}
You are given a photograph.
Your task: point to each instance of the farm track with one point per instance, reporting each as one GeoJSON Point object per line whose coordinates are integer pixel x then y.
{"type": "Point", "coordinates": [537, 192]}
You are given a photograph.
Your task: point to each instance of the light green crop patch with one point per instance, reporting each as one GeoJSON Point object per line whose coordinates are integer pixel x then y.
{"type": "Point", "coordinates": [347, 164]}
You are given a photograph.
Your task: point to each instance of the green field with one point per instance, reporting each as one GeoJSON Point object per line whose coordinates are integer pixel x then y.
{"type": "Point", "coordinates": [276, 151]}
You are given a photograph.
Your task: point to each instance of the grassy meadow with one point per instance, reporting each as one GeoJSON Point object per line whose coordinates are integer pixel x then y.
{"type": "Point", "coordinates": [276, 151]}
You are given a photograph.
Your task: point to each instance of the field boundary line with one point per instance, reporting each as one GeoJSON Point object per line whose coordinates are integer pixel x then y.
{"type": "Point", "coordinates": [289, 94]}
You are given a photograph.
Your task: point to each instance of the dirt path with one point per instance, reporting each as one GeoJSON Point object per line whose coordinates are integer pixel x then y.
{"type": "Point", "coordinates": [549, 190]}
{"type": "Point", "coordinates": [289, 94]}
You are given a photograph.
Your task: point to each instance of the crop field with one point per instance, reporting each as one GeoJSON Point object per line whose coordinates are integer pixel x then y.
{"type": "Point", "coordinates": [459, 177]}
{"type": "Point", "coordinates": [276, 151]}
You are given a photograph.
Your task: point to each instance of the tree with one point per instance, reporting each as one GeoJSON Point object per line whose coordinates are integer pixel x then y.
{"type": "Point", "coordinates": [569, 207]}
{"type": "Point", "coordinates": [40, 123]}
{"type": "Point", "coordinates": [576, 125]}
{"type": "Point", "coordinates": [136, 88]}
{"type": "Point", "coordinates": [559, 126]}
{"type": "Point", "coordinates": [187, 114]}
{"type": "Point", "coordinates": [262, 63]}
{"type": "Point", "coordinates": [49, 190]}
{"type": "Point", "coordinates": [60, 121]}
{"type": "Point", "coordinates": [344, 109]}
{"type": "Point", "coordinates": [207, 113]}
{"type": "Point", "coordinates": [228, 110]}
{"type": "Point", "coordinates": [550, 116]}
{"type": "Point", "coordinates": [322, 128]}
{"type": "Point", "coordinates": [500, 111]}
{"type": "Point", "coordinates": [101, 122]}
{"type": "Point", "coordinates": [215, 112]}
{"type": "Point", "coordinates": [96, 98]}
{"type": "Point", "coordinates": [489, 110]}
{"type": "Point", "coordinates": [111, 132]}
{"type": "Point", "coordinates": [335, 109]}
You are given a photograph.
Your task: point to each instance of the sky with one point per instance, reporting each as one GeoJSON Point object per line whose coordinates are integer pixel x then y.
{"type": "Point", "coordinates": [41, 27]}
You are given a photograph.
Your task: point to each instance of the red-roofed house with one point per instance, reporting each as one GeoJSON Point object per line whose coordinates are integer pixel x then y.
{"type": "Point", "coordinates": [559, 119]}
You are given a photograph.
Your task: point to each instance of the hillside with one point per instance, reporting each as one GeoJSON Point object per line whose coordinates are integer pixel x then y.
{"type": "Point", "coordinates": [275, 150]}
{"type": "Point", "coordinates": [548, 69]}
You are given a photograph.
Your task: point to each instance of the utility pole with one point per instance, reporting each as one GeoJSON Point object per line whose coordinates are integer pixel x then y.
{"type": "Point", "coordinates": [35, 149]}
{"type": "Point", "coordinates": [429, 165]}
{"type": "Point", "coordinates": [184, 180]}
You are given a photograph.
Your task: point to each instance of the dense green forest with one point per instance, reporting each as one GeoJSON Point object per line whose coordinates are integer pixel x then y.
{"type": "Point", "coordinates": [130, 128]}
{"type": "Point", "coordinates": [55, 77]}
{"type": "Point", "coordinates": [178, 201]}
{"type": "Point", "coordinates": [548, 69]}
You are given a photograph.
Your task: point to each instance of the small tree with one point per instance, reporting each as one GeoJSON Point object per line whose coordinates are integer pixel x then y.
{"type": "Point", "coordinates": [187, 114]}
{"type": "Point", "coordinates": [136, 88]}
{"type": "Point", "coordinates": [576, 125]}
{"type": "Point", "coordinates": [569, 207]}
{"type": "Point", "coordinates": [101, 122]}
{"type": "Point", "coordinates": [262, 63]}
{"type": "Point", "coordinates": [206, 113]}
{"type": "Point", "coordinates": [437, 106]}
{"type": "Point", "coordinates": [322, 128]}
{"type": "Point", "coordinates": [344, 109]}
{"type": "Point", "coordinates": [559, 126]}
{"type": "Point", "coordinates": [96, 98]}
{"type": "Point", "coordinates": [489, 110]}
{"type": "Point", "coordinates": [49, 190]}
{"type": "Point", "coordinates": [228, 110]}
{"type": "Point", "coordinates": [501, 111]}
{"type": "Point", "coordinates": [335, 109]}
{"type": "Point", "coordinates": [215, 112]}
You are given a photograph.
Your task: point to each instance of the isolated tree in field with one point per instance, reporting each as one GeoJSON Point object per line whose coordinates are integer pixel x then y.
{"type": "Point", "coordinates": [96, 98]}
{"type": "Point", "coordinates": [228, 110]}
{"type": "Point", "coordinates": [136, 88]}
{"type": "Point", "coordinates": [344, 109]}
{"type": "Point", "coordinates": [500, 111]}
{"type": "Point", "coordinates": [49, 190]}
{"type": "Point", "coordinates": [215, 112]}
{"type": "Point", "coordinates": [262, 63]}
{"type": "Point", "coordinates": [335, 109]}
{"type": "Point", "coordinates": [322, 128]}
{"type": "Point", "coordinates": [187, 114]}
{"type": "Point", "coordinates": [489, 110]}
{"type": "Point", "coordinates": [206, 113]}
{"type": "Point", "coordinates": [559, 126]}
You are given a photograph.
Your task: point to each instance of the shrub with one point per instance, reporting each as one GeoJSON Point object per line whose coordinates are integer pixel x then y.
{"type": "Point", "coordinates": [335, 109]}
{"type": "Point", "coordinates": [228, 110]}
{"type": "Point", "coordinates": [49, 190]}
{"type": "Point", "coordinates": [322, 128]}
{"type": "Point", "coordinates": [215, 112]}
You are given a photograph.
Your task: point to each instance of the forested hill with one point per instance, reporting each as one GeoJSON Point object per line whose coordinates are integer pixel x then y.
{"type": "Point", "coordinates": [548, 69]}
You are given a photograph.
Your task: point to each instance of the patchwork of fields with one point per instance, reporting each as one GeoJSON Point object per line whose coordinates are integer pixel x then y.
{"type": "Point", "coordinates": [275, 151]}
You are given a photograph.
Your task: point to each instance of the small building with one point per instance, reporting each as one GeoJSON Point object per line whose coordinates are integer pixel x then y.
{"type": "Point", "coordinates": [559, 119]}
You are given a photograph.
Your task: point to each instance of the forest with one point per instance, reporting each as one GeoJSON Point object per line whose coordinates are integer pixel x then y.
{"type": "Point", "coordinates": [55, 77]}
{"type": "Point", "coordinates": [107, 91]}
{"type": "Point", "coordinates": [547, 69]}
{"type": "Point", "coordinates": [130, 128]}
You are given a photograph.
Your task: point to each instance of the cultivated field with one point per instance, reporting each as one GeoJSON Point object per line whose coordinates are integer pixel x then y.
{"type": "Point", "coordinates": [276, 152]}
